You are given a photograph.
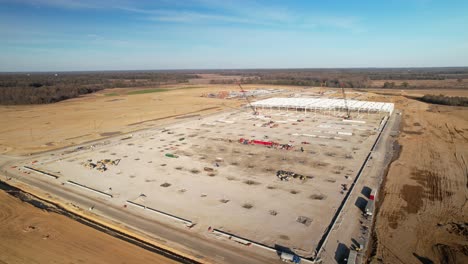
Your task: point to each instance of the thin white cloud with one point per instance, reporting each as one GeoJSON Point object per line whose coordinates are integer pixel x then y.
{"type": "Point", "coordinates": [211, 12]}
{"type": "Point", "coordinates": [69, 4]}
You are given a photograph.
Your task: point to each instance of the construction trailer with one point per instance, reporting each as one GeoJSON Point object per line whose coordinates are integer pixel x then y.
{"type": "Point", "coordinates": [369, 208]}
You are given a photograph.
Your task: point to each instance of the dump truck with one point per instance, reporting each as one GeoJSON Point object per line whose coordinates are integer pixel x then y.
{"type": "Point", "coordinates": [369, 207]}
{"type": "Point", "coordinates": [373, 194]}
{"type": "Point", "coordinates": [288, 257]}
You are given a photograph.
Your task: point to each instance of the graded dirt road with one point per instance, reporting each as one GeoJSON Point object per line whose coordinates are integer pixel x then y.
{"type": "Point", "coordinates": [423, 213]}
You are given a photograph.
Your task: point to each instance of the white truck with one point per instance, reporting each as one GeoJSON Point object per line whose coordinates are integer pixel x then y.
{"type": "Point", "coordinates": [288, 257]}
{"type": "Point", "coordinates": [369, 208]}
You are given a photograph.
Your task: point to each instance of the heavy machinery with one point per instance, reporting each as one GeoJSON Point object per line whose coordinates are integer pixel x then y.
{"type": "Point", "coordinates": [347, 116]}
{"type": "Point", "coordinates": [247, 98]}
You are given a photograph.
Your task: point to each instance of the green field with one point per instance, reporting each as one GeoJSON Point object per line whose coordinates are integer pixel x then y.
{"type": "Point", "coordinates": [154, 90]}
{"type": "Point", "coordinates": [159, 90]}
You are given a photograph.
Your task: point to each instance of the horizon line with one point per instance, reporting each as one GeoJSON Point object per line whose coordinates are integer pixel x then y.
{"type": "Point", "coordinates": [235, 69]}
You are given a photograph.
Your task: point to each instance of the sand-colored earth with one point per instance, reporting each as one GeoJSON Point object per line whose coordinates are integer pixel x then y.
{"type": "Point", "coordinates": [31, 235]}
{"type": "Point", "coordinates": [424, 214]}
{"type": "Point", "coordinates": [34, 128]}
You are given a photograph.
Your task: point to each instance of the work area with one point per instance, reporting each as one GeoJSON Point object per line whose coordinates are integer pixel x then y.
{"type": "Point", "coordinates": [276, 177]}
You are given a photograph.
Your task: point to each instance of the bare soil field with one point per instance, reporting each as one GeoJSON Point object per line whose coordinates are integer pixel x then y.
{"type": "Point", "coordinates": [423, 215]}
{"type": "Point", "coordinates": [34, 128]}
{"type": "Point", "coordinates": [423, 210]}
{"type": "Point", "coordinates": [31, 235]}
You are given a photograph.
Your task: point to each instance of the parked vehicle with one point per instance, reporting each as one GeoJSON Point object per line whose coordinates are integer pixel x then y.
{"type": "Point", "coordinates": [288, 257]}
{"type": "Point", "coordinates": [369, 207]}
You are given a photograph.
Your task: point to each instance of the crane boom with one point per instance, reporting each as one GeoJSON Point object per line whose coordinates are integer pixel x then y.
{"type": "Point", "coordinates": [348, 116]}
{"type": "Point", "coordinates": [247, 98]}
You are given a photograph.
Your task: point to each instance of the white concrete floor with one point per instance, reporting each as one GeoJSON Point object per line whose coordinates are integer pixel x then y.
{"type": "Point", "coordinates": [196, 196]}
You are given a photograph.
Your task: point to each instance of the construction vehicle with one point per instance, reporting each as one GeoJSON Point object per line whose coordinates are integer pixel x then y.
{"type": "Point", "coordinates": [348, 115]}
{"type": "Point", "coordinates": [247, 99]}
{"type": "Point", "coordinates": [288, 257]}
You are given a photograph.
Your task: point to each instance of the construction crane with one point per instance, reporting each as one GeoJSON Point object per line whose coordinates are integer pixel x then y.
{"type": "Point", "coordinates": [247, 98]}
{"type": "Point", "coordinates": [322, 84]}
{"type": "Point", "coordinates": [347, 116]}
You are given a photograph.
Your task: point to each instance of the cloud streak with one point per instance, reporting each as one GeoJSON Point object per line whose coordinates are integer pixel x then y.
{"type": "Point", "coordinates": [210, 12]}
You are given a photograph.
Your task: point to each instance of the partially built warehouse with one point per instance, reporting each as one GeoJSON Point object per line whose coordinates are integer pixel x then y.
{"type": "Point", "coordinates": [273, 178]}
{"type": "Point", "coordinates": [325, 104]}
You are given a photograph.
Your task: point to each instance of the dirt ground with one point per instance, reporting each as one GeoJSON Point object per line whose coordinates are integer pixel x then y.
{"type": "Point", "coordinates": [34, 128]}
{"type": "Point", "coordinates": [218, 197]}
{"type": "Point", "coordinates": [423, 216]}
{"type": "Point", "coordinates": [31, 235]}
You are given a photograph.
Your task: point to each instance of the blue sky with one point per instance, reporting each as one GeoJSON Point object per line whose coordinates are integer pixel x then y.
{"type": "Point", "coordinates": [64, 35]}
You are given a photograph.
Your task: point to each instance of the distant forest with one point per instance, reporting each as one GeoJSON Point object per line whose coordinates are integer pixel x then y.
{"type": "Point", "coordinates": [348, 78]}
{"type": "Point", "coordinates": [43, 88]}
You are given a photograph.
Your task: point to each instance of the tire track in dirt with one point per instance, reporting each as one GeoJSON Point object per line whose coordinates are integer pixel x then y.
{"type": "Point", "coordinates": [426, 186]}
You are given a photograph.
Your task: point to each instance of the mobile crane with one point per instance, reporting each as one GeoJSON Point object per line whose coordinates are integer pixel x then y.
{"type": "Point", "coordinates": [348, 115]}
{"type": "Point", "coordinates": [248, 100]}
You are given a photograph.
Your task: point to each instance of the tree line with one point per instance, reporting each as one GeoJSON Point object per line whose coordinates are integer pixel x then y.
{"type": "Point", "coordinates": [43, 88]}
{"type": "Point", "coordinates": [348, 78]}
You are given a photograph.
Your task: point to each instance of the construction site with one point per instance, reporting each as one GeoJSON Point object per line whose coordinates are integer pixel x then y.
{"type": "Point", "coordinates": [273, 173]}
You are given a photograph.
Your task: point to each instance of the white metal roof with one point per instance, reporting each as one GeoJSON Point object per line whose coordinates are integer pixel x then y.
{"type": "Point", "coordinates": [322, 103]}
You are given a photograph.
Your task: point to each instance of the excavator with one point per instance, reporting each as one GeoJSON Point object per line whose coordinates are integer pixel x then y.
{"type": "Point", "coordinates": [247, 98]}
